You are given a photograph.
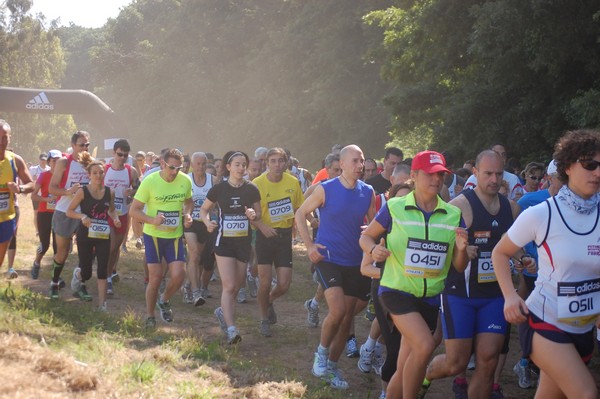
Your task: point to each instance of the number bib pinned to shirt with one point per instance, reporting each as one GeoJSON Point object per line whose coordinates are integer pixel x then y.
{"type": "Point", "coordinates": [99, 229]}
{"type": "Point", "coordinates": [171, 222]}
{"type": "Point", "coordinates": [485, 268]}
{"type": "Point", "coordinates": [235, 226]}
{"type": "Point", "coordinates": [51, 205]}
{"type": "Point", "coordinates": [281, 210]}
{"type": "Point", "coordinates": [578, 302]}
{"type": "Point", "coordinates": [5, 202]}
{"type": "Point", "coordinates": [196, 212]}
{"type": "Point", "coordinates": [425, 258]}
{"type": "Point", "coordinates": [119, 206]}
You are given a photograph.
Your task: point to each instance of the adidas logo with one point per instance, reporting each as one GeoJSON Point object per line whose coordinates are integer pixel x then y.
{"type": "Point", "coordinates": [40, 102]}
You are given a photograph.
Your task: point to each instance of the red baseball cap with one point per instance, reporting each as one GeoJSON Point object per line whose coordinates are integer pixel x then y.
{"type": "Point", "coordinates": [429, 162]}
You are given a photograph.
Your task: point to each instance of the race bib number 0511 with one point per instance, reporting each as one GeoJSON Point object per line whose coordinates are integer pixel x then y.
{"type": "Point", "coordinates": [578, 302]}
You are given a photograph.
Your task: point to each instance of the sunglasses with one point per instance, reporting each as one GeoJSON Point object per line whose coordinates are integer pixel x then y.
{"type": "Point", "coordinates": [122, 154]}
{"type": "Point", "coordinates": [589, 164]}
{"type": "Point", "coordinates": [535, 177]}
{"type": "Point", "coordinates": [178, 168]}
{"type": "Point", "coordinates": [83, 145]}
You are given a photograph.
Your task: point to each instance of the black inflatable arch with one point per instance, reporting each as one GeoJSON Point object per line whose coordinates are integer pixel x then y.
{"type": "Point", "coordinates": [79, 103]}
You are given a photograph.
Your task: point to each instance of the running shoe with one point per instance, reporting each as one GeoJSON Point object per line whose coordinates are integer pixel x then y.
{"type": "Point", "coordinates": [221, 318]}
{"type": "Point", "coordinates": [382, 395]}
{"type": "Point", "coordinates": [335, 379]}
{"type": "Point", "coordinates": [61, 283]}
{"type": "Point", "coordinates": [198, 299]}
{"type": "Point", "coordinates": [12, 274]}
{"type": "Point", "coordinates": [109, 288]}
{"type": "Point", "coordinates": [313, 313]}
{"type": "Point", "coordinates": [186, 290]}
{"type": "Point", "coordinates": [233, 336]}
{"type": "Point", "coordinates": [166, 313]}
{"type": "Point", "coordinates": [497, 393]}
{"type": "Point", "coordinates": [378, 359]}
{"type": "Point", "coordinates": [103, 308]}
{"type": "Point", "coordinates": [365, 361]}
{"type": "Point", "coordinates": [54, 291]}
{"type": "Point", "coordinates": [423, 391]}
{"type": "Point", "coordinates": [319, 368]}
{"type": "Point", "coordinates": [76, 280]}
{"type": "Point", "coordinates": [265, 328]}
{"type": "Point", "coordinates": [241, 296]}
{"type": "Point", "coordinates": [523, 371]}
{"type": "Point", "coordinates": [271, 315]}
{"type": "Point", "coordinates": [352, 347]}
{"type": "Point", "coordinates": [205, 293]}
{"type": "Point", "coordinates": [82, 294]}
{"type": "Point", "coordinates": [35, 270]}
{"type": "Point", "coordinates": [150, 324]}
{"type": "Point", "coordinates": [139, 244]}
{"type": "Point", "coordinates": [460, 390]}
{"type": "Point", "coordinates": [124, 248]}
{"type": "Point", "coordinates": [115, 277]}
{"type": "Point", "coordinates": [251, 284]}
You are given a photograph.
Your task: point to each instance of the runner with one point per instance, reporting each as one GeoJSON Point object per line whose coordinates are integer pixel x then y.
{"type": "Point", "coordinates": [472, 301]}
{"type": "Point", "coordinates": [344, 202]}
{"type": "Point", "coordinates": [238, 202]}
{"type": "Point", "coordinates": [94, 206]}
{"type": "Point", "coordinates": [12, 167]}
{"type": "Point", "coordinates": [281, 196]}
{"type": "Point", "coordinates": [559, 316]}
{"type": "Point", "coordinates": [515, 188]}
{"type": "Point", "coordinates": [381, 182]}
{"type": "Point", "coordinates": [69, 176]}
{"type": "Point", "coordinates": [424, 239]}
{"type": "Point", "coordinates": [197, 235]}
{"type": "Point", "coordinates": [167, 195]}
{"type": "Point", "coordinates": [35, 171]}
{"type": "Point", "coordinates": [47, 203]}
{"type": "Point", "coordinates": [123, 180]}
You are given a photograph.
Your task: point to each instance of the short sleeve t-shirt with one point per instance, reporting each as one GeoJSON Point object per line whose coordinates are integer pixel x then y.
{"type": "Point", "coordinates": [279, 200]}
{"type": "Point", "coordinates": [232, 203]}
{"type": "Point", "coordinates": [166, 198]}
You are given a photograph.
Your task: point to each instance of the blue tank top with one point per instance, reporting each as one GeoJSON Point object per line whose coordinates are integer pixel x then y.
{"type": "Point", "coordinates": [342, 216]}
{"type": "Point", "coordinates": [478, 279]}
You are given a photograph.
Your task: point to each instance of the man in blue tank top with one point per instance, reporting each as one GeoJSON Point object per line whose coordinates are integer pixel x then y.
{"type": "Point", "coordinates": [472, 302]}
{"type": "Point", "coordinates": [343, 203]}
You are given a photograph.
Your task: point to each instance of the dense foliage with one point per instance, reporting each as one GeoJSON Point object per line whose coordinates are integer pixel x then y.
{"type": "Point", "coordinates": [218, 74]}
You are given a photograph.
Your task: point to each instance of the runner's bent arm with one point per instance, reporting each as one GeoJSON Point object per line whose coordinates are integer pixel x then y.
{"type": "Point", "coordinates": [59, 170]}
{"type": "Point", "coordinates": [111, 209]}
{"type": "Point", "coordinates": [137, 212]}
{"type": "Point", "coordinates": [310, 204]}
{"type": "Point", "coordinates": [211, 225]}
{"type": "Point", "coordinates": [372, 244]}
{"type": "Point", "coordinates": [27, 184]}
{"type": "Point", "coordinates": [515, 308]}
{"type": "Point", "coordinates": [71, 213]}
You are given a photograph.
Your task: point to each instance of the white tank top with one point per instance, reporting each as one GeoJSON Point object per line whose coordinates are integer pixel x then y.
{"type": "Point", "coordinates": [75, 174]}
{"type": "Point", "coordinates": [119, 181]}
{"type": "Point", "coordinates": [199, 194]}
{"type": "Point", "coordinates": [567, 290]}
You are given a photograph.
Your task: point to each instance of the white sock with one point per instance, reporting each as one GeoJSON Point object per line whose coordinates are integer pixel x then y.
{"type": "Point", "coordinates": [370, 344]}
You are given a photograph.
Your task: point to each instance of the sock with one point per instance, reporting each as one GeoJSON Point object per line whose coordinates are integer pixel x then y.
{"type": "Point", "coordinates": [314, 303]}
{"type": "Point", "coordinates": [56, 270]}
{"type": "Point", "coordinates": [350, 337]}
{"type": "Point", "coordinates": [109, 279]}
{"type": "Point", "coordinates": [321, 350]}
{"type": "Point", "coordinates": [331, 364]}
{"type": "Point", "coordinates": [231, 328]}
{"type": "Point", "coordinates": [370, 344]}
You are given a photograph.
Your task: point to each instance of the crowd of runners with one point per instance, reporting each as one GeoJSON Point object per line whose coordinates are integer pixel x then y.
{"type": "Point", "coordinates": [430, 250]}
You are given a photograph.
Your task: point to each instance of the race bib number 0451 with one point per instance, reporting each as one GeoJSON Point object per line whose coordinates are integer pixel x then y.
{"type": "Point", "coordinates": [425, 258]}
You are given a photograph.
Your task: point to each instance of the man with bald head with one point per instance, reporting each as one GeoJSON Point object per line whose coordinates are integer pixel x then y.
{"type": "Point", "coordinates": [12, 167]}
{"type": "Point", "coordinates": [344, 202]}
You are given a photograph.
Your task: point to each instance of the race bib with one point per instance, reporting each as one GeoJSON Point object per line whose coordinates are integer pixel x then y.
{"type": "Point", "coordinates": [196, 212]}
{"type": "Point", "coordinates": [578, 301]}
{"type": "Point", "coordinates": [4, 202]}
{"type": "Point", "coordinates": [281, 210]}
{"type": "Point", "coordinates": [425, 258]}
{"type": "Point", "coordinates": [52, 204]}
{"type": "Point", "coordinates": [171, 222]}
{"type": "Point", "coordinates": [119, 206]}
{"type": "Point", "coordinates": [485, 268]}
{"type": "Point", "coordinates": [99, 229]}
{"type": "Point", "coordinates": [235, 226]}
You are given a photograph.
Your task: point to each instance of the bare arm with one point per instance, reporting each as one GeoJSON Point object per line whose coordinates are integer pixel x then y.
{"type": "Point", "coordinates": [316, 199]}
{"type": "Point", "coordinates": [77, 198]}
{"type": "Point", "coordinates": [515, 309]}
{"type": "Point", "coordinates": [211, 225]}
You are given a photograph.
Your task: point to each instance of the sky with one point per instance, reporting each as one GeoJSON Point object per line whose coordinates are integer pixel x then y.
{"type": "Point", "coordinates": [86, 13]}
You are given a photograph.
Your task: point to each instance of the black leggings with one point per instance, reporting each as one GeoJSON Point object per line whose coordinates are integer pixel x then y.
{"type": "Point", "coordinates": [44, 220]}
{"type": "Point", "coordinates": [90, 249]}
{"type": "Point", "coordinates": [391, 335]}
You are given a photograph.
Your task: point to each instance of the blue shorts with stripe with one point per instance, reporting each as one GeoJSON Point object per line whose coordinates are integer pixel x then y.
{"type": "Point", "coordinates": [171, 249]}
{"type": "Point", "coordinates": [466, 317]}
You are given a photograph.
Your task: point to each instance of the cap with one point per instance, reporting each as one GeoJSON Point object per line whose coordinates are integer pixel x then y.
{"type": "Point", "coordinates": [43, 156]}
{"type": "Point", "coordinates": [54, 154]}
{"type": "Point", "coordinates": [429, 162]}
{"type": "Point", "coordinates": [552, 169]}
